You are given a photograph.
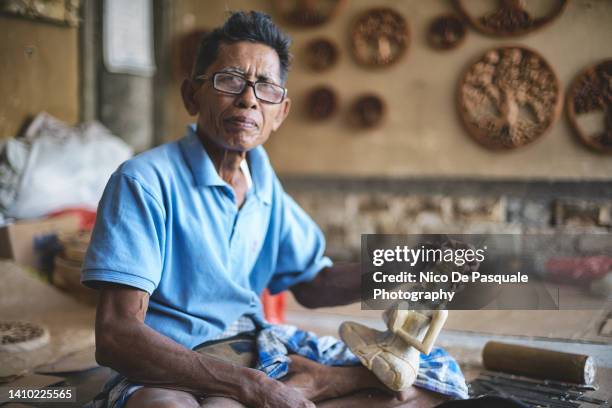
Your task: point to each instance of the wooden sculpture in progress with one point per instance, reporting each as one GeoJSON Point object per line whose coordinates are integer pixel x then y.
{"type": "Point", "coordinates": [393, 355]}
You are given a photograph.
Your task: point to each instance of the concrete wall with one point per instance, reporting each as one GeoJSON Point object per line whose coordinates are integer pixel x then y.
{"type": "Point", "coordinates": [345, 211]}
{"type": "Point", "coordinates": [422, 135]}
{"type": "Point", "coordinates": [38, 72]}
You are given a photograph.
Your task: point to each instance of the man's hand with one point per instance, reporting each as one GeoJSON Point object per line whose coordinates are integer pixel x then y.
{"type": "Point", "coordinates": [334, 286]}
{"type": "Point", "coordinates": [270, 393]}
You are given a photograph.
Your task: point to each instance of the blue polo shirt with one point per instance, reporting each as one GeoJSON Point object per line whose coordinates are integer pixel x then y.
{"type": "Point", "coordinates": [169, 225]}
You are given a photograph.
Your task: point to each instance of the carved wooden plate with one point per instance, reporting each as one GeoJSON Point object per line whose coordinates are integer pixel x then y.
{"type": "Point", "coordinates": [19, 336]}
{"type": "Point", "coordinates": [509, 18]}
{"type": "Point", "coordinates": [379, 37]}
{"type": "Point", "coordinates": [591, 95]}
{"type": "Point", "coordinates": [322, 103]}
{"type": "Point", "coordinates": [446, 32]}
{"type": "Point", "coordinates": [367, 111]}
{"type": "Point", "coordinates": [321, 54]}
{"type": "Point", "coordinates": [308, 13]}
{"type": "Point", "coordinates": [509, 97]}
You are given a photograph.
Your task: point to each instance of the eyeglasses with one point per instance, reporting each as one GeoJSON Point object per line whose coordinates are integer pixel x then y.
{"type": "Point", "coordinates": [236, 84]}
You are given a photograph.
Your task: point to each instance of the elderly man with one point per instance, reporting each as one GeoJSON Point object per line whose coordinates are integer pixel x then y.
{"type": "Point", "coordinates": [190, 233]}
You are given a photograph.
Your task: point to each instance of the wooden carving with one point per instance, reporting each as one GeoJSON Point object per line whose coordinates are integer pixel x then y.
{"type": "Point", "coordinates": [509, 97]}
{"type": "Point", "coordinates": [19, 336]}
{"type": "Point", "coordinates": [446, 32]}
{"type": "Point", "coordinates": [379, 37]}
{"type": "Point", "coordinates": [510, 17]}
{"type": "Point", "coordinates": [322, 103]}
{"type": "Point", "coordinates": [308, 13]}
{"type": "Point", "coordinates": [368, 111]}
{"type": "Point", "coordinates": [321, 54]}
{"type": "Point", "coordinates": [591, 92]}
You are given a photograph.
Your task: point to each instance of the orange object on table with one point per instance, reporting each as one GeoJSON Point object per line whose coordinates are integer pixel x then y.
{"type": "Point", "coordinates": [274, 307]}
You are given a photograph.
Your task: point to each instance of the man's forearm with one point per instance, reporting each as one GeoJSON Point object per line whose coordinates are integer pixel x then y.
{"type": "Point", "coordinates": [337, 285]}
{"type": "Point", "coordinates": [147, 357]}
{"type": "Point", "coordinates": [124, 342]}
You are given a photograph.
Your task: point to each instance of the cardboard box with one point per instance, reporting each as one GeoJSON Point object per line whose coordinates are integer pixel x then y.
{"type": "Point", "coordinates": [17, 239]}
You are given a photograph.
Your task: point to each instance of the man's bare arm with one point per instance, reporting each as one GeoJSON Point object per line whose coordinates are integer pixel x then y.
{"type": "Point", "coordinates": [126, 344]}
{"type": "Point", "coordinates": [333, 286]}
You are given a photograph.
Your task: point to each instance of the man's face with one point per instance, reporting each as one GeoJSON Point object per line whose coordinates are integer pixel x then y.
{"type": "Point", "coordinates": [237, 122]}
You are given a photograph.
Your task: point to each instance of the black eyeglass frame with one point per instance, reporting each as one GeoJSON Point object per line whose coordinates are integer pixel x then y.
{"type": "Point", "coordinates": [252, 84]}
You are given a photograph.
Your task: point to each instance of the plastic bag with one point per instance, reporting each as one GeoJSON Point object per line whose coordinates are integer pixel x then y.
{"type": "Point", "coordinates": [67, 167]}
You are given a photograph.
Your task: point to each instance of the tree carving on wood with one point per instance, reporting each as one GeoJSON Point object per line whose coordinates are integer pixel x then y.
{"type": "Point", "coordinates": [591, 92]}
{"type": "Point", "coordinates": [446, 32]}
{"type": "Point", "coordinates": [322, 103]}
{"type": "Point", "coordinates": [510, 17]}
{"type": "Point", "coordinates": [509, 97]}
{"type": "Point", "coordinates": [367, 111]}
{"type": "Point", "coordinates": [321, 54]}
{"type": "Point", "coordinates": [379, 37]}
{"type": "Point", "coordinates": [308, 13]}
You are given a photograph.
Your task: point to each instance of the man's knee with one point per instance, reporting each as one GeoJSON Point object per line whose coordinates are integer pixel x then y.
{"type": "Point", "coordinates": [161, 398]}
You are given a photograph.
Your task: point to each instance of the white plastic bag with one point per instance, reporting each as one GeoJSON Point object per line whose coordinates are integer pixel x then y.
{"type": "Point", "coordinates": [67, 167]}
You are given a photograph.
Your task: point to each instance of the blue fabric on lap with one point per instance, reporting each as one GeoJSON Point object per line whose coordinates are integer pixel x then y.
{"type": "Point", "coordinates": [438, 371]}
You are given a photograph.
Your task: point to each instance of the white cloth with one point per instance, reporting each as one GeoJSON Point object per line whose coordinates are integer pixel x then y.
{"type": "Point", "coordinates": [244, 166]}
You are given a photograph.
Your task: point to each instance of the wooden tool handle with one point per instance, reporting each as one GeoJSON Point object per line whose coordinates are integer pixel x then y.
{"type": "Point", "coordinates": [538, 363]}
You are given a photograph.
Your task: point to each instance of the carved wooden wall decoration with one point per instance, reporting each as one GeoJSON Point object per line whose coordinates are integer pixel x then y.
{"type": "Point", "coordinates": [446, 32]}
{"type": "Point", "coordinates": [322, 103]}
{"type": "Point", "coordinates": [591, 92]}
{"type": "Point", "coordinates": [509, 97]}
{"type": "Point", "coordinates": [367, 111]}
{"type": "Point", "coordinates": [321, 54]}
{"type": "Point", "coordinates": [510, 17]}
{"type": "Point", "coordinates": [308, 13]}
{"type": "Point", "coordinates": [19, 336]}
{"type": "Point", "coordinates": [379, 37]}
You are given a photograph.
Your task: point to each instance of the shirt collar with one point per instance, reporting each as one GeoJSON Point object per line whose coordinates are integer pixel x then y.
{"type": "Point", "coordinates": [198, 160]}
{"type": "Point", "coordinates": [205, 174]}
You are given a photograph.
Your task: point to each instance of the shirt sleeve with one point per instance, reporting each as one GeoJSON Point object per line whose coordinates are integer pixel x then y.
{"type": "Point", "coordinates": [300, 256]}
{"type": "Point", "coordinates": [128, 239]}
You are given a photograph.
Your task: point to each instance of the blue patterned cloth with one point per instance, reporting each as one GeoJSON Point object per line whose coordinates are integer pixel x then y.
{"type": "Point", "coordinates": [438, 371]}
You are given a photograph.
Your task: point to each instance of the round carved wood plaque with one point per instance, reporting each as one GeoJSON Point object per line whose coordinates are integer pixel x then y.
{"type": "Point", "coordinates": [308, 13]}
{"type": "Point", "coordinates": [367, 111]}
{"type": "Point", "coordinates": [18, 336]}
{"type": "Point", "coordinates": [379, 37]}
{"type": "Point", "coordinates": [321, 54]}
{"type": "Point", "coordinates": [322, 103]}
{"type": "Point", "coordinates": [589, 106]}
{"type": "Point", "coordinates": [509, 97]}
{"type": "Point", "coordinates": [446, 32]}
{"type": "Point", "coordinates": [507, 18]}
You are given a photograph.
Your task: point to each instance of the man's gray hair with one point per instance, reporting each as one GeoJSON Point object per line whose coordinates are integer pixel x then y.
{"type": "Point", "coordinates": [253, 26]}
